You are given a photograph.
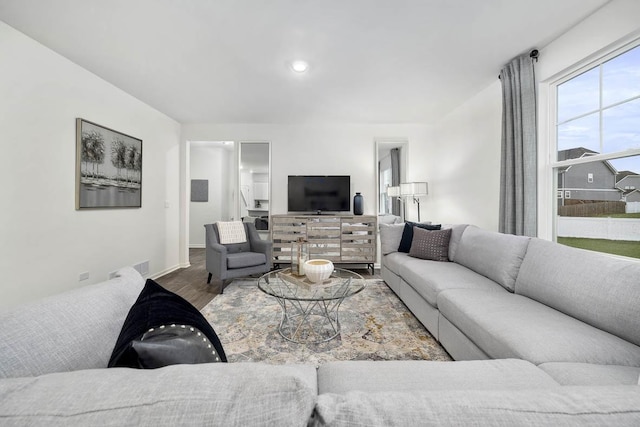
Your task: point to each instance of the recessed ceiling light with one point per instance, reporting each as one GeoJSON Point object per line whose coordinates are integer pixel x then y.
{"type": "Point", "coordinates": [299, 66]}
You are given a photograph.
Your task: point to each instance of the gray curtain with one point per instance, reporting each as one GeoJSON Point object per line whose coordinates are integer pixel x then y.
{"type": "Point", "coordinates": [518, 174]}
{"type": "Point", "coordinates": [395, 178]}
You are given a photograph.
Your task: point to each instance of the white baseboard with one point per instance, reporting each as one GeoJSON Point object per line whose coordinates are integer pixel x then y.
{"type": "Point", "coordinates": [167, 271]}
{"type": "Point", "coordinates": [197, 246]}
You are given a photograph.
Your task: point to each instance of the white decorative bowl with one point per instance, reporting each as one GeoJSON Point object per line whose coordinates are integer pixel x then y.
{"type": "Point", "coordinates": [318, 270]}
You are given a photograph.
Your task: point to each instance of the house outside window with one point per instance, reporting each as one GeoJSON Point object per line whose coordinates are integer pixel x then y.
{"type": "Point", "coordinates": [597, 135]}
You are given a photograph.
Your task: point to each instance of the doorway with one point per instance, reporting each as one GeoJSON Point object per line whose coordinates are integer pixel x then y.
{"type": "Point", "coordinates": [211, 181]}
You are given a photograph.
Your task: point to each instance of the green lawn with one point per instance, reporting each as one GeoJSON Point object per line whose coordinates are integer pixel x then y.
{"type": "Point", "coordinates": [616, 247]}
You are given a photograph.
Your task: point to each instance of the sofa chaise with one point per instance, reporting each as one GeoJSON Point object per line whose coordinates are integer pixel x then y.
{"type": "Point", "coordinates": [53, 371]}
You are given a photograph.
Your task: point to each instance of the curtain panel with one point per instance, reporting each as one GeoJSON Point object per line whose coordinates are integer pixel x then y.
{"type": "Point", "coordinates": [518, 172]}
{"type": "Point", "coordinates": [395, 179]}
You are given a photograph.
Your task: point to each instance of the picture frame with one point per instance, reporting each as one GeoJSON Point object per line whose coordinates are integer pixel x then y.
{"type": "Point", "coordinates": [108, 168]}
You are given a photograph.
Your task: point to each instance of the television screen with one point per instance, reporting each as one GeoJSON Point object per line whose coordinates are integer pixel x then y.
{"type": "Point", "coordinates": [314, 193]}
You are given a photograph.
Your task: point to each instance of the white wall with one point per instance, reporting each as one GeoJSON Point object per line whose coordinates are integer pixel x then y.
{"type": "Point", "coordinates": [318, 149]}
{"type": "Point", "coordinates": [464, 163]}
{"type": "Point", "coordinates": [214, 164]}
{"type": "Point", "coordinates": [45, 242]}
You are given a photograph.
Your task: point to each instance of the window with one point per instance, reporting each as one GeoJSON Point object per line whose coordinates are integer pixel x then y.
{"type": "Point", "coordinates": [597, 135]}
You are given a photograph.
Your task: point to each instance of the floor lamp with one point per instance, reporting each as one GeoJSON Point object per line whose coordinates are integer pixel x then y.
{"type": "Point", "coordinates": [415, 190]}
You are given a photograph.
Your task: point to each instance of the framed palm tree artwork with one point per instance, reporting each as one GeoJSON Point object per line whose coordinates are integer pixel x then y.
{"type": "Point", "coordinates": [108, 168]}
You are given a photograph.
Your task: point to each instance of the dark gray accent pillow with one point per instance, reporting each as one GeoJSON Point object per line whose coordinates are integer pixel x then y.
{"type": "Point", "coordinates": [430, 244]}
{"type": "Point", "coordinates": [407, 234]}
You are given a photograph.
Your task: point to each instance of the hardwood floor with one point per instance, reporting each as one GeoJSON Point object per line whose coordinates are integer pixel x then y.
{"type": "Point", "coordinates": [191, 282]}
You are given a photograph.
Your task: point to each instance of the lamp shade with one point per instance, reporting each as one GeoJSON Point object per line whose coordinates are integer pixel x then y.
{"type": "Point", "coordinates": [393, 191]}
{"type": "Point", "coordinates": [414, 188]}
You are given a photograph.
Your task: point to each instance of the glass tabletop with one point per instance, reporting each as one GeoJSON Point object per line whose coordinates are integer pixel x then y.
{"type": "Point", "coordinates": [283, 284]}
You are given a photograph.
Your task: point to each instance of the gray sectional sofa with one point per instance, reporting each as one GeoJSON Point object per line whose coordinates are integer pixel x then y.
{"type": "Point", "coordinates": [54, 353]}
{"type": "Point", "coordinates": [573, 313]}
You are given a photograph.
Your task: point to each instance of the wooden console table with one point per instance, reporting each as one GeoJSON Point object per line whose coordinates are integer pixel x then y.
{"type": "Point", "coordinates": [342, 239]}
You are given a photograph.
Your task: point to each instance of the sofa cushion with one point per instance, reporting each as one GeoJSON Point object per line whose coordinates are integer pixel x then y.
{"type": "Point", "coordinates": [429, 278]}
{"type": "Point", "coordinates": [598, 289]}
{"type": "Point", "coordinates": [407, 233]}
{"type": "Point", "coordinates": [456, 234]}
{"type": "Point", "coordinates": [394, 261]}
{"type": "Point", "coordinates": [389, 219]}
{"type": "Point", "coordinates": [69, 331]}
{"type": "Point", "coordinates": [414, 375]}
{"type": "Point", "coordinates": [561, 406]}
{"type": "Point", "coordinates": [506, 325]}
{"type": "Point", "coordinates": [158, 309]}
{"type": "Point", "coordinates": [567, 373]}
{"type": "Point", "coordinates": [390, 236]}
{"type": "Point", "coordinates": [494, 255]}
{"type": "Point", "coordinates": [241, 394]}
{"type": "Point", "coordinates": [430, 244]}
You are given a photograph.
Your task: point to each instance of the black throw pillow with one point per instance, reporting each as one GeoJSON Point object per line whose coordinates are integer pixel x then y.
{"type": "Point", "coordinates": [407, 234]}
{"type": "Point", "coordinates": [164, 329]}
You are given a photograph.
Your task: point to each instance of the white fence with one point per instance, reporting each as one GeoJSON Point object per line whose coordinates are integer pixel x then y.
{"type": "Point", "coordinates": [599, 228]}
{"type": "Point", "coordinates": [632, 207]}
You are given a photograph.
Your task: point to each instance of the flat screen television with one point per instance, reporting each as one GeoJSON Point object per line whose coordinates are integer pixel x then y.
{"type": "Point", "coordinates": [318, 194]}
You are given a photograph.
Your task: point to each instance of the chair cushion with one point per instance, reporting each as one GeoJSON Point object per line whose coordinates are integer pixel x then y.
{"type": "Point", "coordinates": [245, 259]}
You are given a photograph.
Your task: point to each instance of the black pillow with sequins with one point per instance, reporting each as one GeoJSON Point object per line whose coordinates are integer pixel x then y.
{"type": "Point", "coordinates": [164, 329]}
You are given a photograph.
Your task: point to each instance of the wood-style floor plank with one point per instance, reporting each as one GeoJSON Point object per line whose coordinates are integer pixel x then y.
{"type": "Point", "coordinates": [191, 282]}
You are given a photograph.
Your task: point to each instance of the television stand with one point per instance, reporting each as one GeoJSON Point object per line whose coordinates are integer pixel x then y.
{"type": "Point", "coordinates": [342, 239]}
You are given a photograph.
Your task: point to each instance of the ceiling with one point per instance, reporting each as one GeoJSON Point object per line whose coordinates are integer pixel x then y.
{"type": "Point", "coordinates": [227, 61]}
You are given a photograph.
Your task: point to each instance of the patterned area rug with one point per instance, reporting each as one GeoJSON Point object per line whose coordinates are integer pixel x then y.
{"type": "Point", "coordinates": [375, 325]}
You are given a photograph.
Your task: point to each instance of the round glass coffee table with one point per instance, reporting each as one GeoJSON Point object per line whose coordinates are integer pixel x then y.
{"type": "Point", "coordinates": [310, 311]}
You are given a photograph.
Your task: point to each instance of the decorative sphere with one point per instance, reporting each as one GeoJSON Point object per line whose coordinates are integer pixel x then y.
{"type": "Point", "coordinates": [318, 270]}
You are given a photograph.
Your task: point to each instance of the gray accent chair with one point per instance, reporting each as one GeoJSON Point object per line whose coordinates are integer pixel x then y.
{"type": "Point", "coordinates": [226, 262]}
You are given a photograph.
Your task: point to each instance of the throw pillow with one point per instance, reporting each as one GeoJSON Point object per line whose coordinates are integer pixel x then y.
{"type": "Point", "coordinates": [407, 234]}
{"type": "Point", "coordinates": [164, 329]}
{"type": "Point", "coordinates": [432, 245]}
{"type": "Point", "coordinates": [390, 236]}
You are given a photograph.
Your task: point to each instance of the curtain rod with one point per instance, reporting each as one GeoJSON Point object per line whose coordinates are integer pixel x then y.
{"type": "Point", "coordinates": [533, 55]}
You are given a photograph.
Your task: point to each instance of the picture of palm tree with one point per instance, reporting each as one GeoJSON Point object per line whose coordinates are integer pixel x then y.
{"type": "Point", "coordinates": [108, 167]}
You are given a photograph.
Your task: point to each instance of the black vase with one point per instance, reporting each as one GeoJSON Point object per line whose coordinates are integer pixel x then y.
{"type": "Point", "coordinates": [357, 204]}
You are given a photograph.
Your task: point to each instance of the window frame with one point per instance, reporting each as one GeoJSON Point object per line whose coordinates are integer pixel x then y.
{"type": "Point", "coordinates": [550, 209]}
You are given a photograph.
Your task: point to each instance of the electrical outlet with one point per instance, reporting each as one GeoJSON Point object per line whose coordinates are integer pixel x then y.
{"type": "Point", "coordinates": [83, 276]}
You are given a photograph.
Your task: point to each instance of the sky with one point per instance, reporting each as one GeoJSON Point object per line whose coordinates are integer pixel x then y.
{"type": "Point", "coordinates": [600, 109]}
